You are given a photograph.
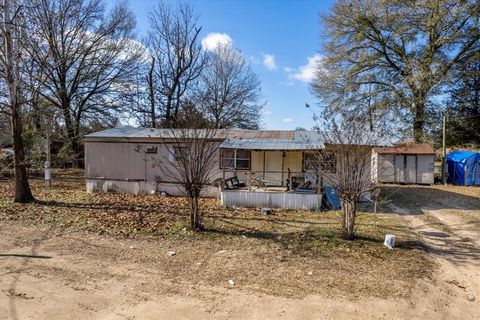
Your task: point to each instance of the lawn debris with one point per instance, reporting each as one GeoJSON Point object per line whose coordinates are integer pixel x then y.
{"type": "Point", "coordinates": [456, 283]}
{"type": "Point", "coordinates": [389, 241]}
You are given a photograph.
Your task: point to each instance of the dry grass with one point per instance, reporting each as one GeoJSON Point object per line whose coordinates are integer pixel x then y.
{"type": "Point", "coordinates": [290, 253]}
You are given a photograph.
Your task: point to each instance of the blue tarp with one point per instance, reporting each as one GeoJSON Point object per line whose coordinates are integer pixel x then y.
{"type": "Point", "coordinates": [463, 168]}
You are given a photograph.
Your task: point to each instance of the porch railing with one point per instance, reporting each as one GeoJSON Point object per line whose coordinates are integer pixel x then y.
{"type": "Point", "coordinates": [264, 179]}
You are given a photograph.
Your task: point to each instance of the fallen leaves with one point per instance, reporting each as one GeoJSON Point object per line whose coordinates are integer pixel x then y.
{"type": "Point", "coordinates": [287, 253]}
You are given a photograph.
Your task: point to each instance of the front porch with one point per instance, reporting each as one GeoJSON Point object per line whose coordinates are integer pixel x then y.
{"type": "Point", "coordinates": [269, 178]}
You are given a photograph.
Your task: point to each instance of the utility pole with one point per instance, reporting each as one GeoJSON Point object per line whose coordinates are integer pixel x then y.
{"type": "Point", "coordinates": [444, 164]}
{"type": "Point", "coordinates": [48, 163]}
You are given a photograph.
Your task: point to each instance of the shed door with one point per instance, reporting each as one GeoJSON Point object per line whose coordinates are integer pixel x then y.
{"type": "Point", "coordinates": [411, 173]}
{"type": "Point", "coordinates": [400, 168]}
{"type": "Point", "coordinates": [425, 167]}
{"type": "Point", "coordinates": [386, 168]}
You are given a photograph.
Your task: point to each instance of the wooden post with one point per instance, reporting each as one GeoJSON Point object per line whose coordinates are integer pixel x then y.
{"type": "Point", "coordinates": [235, 162]}
{"type": "Point", "coordinates": [444, 153]}
{"type": "Point", "coordinates": [264, 161]}
{"type": "Point", "coordinates": [223, 178]}
{"type": "Point", "coordinates": [48, 163]}
{"type": "Point", "coordinates": [289, 184]}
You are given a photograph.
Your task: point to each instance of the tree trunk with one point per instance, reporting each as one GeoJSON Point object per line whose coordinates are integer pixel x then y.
{"type": "Point", "coordinates": [23, 194]}
{"type": "Point", "coordinates": [419, 114]}
{"type": "Point", "coordinates": [151, 94]}
{"type": "Point", "coordinates": [195, 221]}
{"type": "Point", "coordinates": [72, 134]}
{"type": "Point", "coordinates": [418, 122]}
{"type": "Point", "coordinates": [349, 210]}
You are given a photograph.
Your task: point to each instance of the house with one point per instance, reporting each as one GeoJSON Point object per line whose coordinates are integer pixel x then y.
{"type": "Point", "coordinates": [274, 168]}
{"type": "Point", "coordinates": [408, 163]}
{"type": "Point", "coordinates": [128, 160]}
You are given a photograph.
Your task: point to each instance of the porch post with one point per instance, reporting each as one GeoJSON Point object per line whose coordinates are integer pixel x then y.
{"type": "Point", "coordinates": [264, 161]}
{"type": "Point", "coordinates": [235, 162]}
{"type": "Point", "coordinates": [223, 178]}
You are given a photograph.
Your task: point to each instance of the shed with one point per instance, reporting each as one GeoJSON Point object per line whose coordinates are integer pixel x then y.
{"type": "Point", "coordinates": [409, 163]}
{"type": "Point", "coordinates": [463, 168]}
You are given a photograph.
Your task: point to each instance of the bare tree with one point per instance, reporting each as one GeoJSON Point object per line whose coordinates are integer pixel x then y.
{"type": "Point", "coordinates": [87, 58]}
{"type": "Point", "coordinates": [345, 164]}
{"type": "Point", "coordinates": [230, 91]}
{"type": "Point", "coordinates": [178, 57]}
{"type": "Point", "coordinates": [196, 154]}
{"type": "Point", "coordinates": [394, 55]}
{"type": "Point", "coordinates": [12, 61]}
{"type": "Point", "coordinates": [151, 94]}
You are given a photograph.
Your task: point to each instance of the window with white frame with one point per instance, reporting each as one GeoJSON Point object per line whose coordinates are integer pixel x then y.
{"type": "Point", "coordinates": [235, 159]}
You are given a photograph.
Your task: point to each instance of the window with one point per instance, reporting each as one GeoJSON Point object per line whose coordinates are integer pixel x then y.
{"type": "Point", "coordinates": [151, 149]}
{"type": "Point", "coordinates": [309, 161]}
{"type": "Point", "coordinates": [178, 153]}
{"type": "Point", "coordinates": [235, 159]}
{"type": "Point", "coordinates": [325, 161]}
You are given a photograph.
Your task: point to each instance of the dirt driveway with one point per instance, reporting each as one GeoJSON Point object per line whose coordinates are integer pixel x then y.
{"type": "Point", "coordinates": [447, 219]}
{"type": "Point", "coordinates": [48, 274]}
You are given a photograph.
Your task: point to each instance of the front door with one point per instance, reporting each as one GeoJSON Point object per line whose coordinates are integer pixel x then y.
{"type": "Point", "coordinates": [273, 167]}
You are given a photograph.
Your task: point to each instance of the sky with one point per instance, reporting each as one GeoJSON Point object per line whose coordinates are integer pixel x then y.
{"type": "Point", "coordinates": [280, 38]}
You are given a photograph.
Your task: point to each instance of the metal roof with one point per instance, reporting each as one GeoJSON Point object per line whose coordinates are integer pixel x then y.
{"type": "Point", "coordinates": [413, 148]}
{"type": "Point", "coordinates": [298, 140]}
{"type": "Point", "coordinates": [239, 139]}
{"type": "Point", "coordinates": [131, 133]}
{"type": "Point", "coordinates": [236, 139]}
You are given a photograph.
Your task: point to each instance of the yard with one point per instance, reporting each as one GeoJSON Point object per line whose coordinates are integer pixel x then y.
{"type": "Point", "coordinates": [102, 256]}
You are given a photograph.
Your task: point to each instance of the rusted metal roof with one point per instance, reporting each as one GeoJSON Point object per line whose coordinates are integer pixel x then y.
{"type": "Point", "coordinates": [412, 148]}
{"type": "Point", "coordinates": [240, 139]}
{"type": "Point", "coordinates": [150, 133]}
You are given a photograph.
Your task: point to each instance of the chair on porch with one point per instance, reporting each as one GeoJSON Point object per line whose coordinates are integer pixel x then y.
{"type": "Point", "coordinates": [233, 183]}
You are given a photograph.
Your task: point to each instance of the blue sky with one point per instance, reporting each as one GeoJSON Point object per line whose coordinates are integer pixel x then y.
{"type": "Point", "coordinates": [281, 38]}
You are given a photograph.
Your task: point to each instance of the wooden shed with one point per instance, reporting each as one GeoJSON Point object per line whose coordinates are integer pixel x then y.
{"type": "Point", "coordinates": [409, 164]}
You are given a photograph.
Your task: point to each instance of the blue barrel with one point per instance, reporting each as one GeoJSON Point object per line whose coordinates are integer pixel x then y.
{"type": "Point", "coordinates": [331, 199]}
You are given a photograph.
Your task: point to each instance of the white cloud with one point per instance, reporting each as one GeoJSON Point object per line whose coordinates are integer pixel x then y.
{"type": "Point", "coordinates": [269, 61]}
{"type": "Point", "coordinates": [287, 120]}
{"type": "Point", "coordinates": [214, 39]}
{"type": "Point", "coordinates": [305, 73]}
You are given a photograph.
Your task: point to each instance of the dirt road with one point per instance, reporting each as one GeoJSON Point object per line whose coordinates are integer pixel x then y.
{"type": "Point", "coordinates": [45, 274]}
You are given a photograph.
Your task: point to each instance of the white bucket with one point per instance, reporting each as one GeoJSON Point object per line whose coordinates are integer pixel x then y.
{"type": "Point", "coordinates": [389, 241]}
